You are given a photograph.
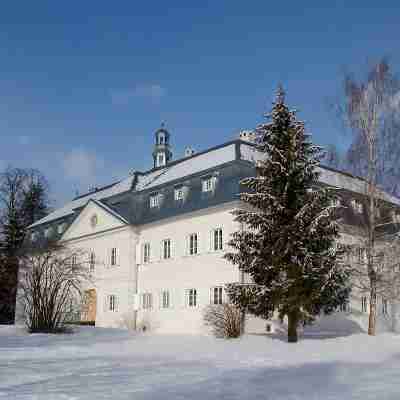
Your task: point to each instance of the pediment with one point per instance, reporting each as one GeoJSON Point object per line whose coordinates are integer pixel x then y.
{"type": "Point", "coordinates": [94, 218]}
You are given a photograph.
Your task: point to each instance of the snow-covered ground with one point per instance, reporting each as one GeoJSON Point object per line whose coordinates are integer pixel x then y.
{"type": "Point", "coordinates": [97, 363]}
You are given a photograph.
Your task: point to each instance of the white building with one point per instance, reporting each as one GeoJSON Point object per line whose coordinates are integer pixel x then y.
{"type": "Point", "coordinates": [156, 239]}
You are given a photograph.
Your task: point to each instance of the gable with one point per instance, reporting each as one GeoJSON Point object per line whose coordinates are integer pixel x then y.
{"type": "Point", "coordinates": [94, 218]}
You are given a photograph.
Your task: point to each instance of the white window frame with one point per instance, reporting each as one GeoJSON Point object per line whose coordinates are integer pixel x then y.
{"type": "Point", "coordinates": [362, 255]}
{"type": "Point", "coordinates": [165, 299]}
{"type": "Point", "coordinates": [357, 206]}
{"type": "Point", "coordinates": [92, 261]}
{"type": "Point", "coordinates": [154, 200]}
{"type": "Point", "coordinates": [193, 244]}
{"type": "Point", "coordinates": [191, 298]}
{"type": "Point", "coordinates": [364, 304]}
{"type": "Point", "coordinates": [384, 306]}
{"type": "Point", "coordinates": [166, 249]}
{"type": "Point", "coordinates": [217, 295]}
{"type": "Point", "coordinates": [112, 303]}
{"type": "Point", "coordinates": [179, 193]}
{"type": "Point", "coordinates": [48, 232]}
{"type": "Point", "coordinates": [113, 257]}
{"type": "Point", "coordinates": [146, 252]}
{"type": "Point", "coordinates": [61, 228]}
{"type": "Point", "coordinates": [217, 243]}
{"type": "Point", "coordinates": [208, 184]}
{"type": "Point", "coordinates": [147, 300]}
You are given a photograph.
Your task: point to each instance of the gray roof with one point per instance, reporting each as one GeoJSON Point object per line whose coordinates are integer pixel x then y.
{"type": "Point", "coordinates": [128, 198]}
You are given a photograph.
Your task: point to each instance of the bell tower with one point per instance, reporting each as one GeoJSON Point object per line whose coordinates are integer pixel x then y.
{"type": "Point", "coordinates": [162, 154]}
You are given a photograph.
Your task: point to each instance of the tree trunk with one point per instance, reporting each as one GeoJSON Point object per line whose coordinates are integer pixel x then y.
{"type": "Point", "coordinates": [293, 320]}
{"type": "Point", "coordinates": [372, 309]}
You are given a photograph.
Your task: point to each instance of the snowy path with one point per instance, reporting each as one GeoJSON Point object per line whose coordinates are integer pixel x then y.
{"type": "Point", "coordinates": [113, 364]}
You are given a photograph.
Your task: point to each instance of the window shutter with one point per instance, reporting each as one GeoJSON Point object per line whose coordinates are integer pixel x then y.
{"type": "Point", "coordinates": [162, 250]}
{"type": "Point", "coordinates": [116, 301]}
{"type": "Point", "coordinates": [171, 298]}
{"type": "Point", "coordinates": [211, 295]}
{"type": "Point", "coordinates": [108, 258]}
{"type": "Point", "coordinates": [136, 302]}
{"type": "Point", "coordinates": [160, 299]}
{"type": "Point", "coordinates": [105, 303]}
{"type": "Point", "coordinates": [117, 256]}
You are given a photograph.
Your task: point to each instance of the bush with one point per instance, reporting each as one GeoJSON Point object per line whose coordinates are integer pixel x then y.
{"type": "Point", "coordinates": [224, 320]}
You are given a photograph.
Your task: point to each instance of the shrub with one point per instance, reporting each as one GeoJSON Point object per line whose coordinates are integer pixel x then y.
{"type": "Point", "coordinates": [224, 320]}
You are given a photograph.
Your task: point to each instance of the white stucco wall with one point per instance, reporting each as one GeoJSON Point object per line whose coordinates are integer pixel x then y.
{"type": "Point", "coordinates": [182, 271]}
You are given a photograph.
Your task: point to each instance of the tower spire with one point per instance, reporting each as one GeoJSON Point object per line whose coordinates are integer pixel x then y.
{"type": "Point", "coordinates": [162, 154]}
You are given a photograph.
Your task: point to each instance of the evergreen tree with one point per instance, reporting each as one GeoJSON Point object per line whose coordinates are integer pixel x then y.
{"type": "Point", "coordinates": [23, 200]}
{"type": "Point", "coordinates": [287, 244]}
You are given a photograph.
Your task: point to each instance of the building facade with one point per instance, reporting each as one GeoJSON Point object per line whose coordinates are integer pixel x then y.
{"type": "Point", "coordinates": [155, 240]}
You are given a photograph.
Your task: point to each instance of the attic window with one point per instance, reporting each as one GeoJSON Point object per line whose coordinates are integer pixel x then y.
{"type": "Point", "coordinates": [33, 236]}
{"type": "Point", "coordinates": [357, 206]}
{"type": "Point", "coordinates": [179, 193]}
{"type": "Point", "coordinates": [154, 200]}
{"type": "Point", "coordinates": [61, 228]}
{"type": "Point", "coordinates": [48, 232]}
{"type": "Point", "coordinates": [208, 184]}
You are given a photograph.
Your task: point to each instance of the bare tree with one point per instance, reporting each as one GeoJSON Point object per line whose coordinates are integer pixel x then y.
{"type": "Point", "coordinates": [224, 320]}
{"type": "Point", "coordinates": [51, 278]}
{"type": "Point", "coordinates": [23, 200]}
{"type": "Point", "coordinates": [366, 106]}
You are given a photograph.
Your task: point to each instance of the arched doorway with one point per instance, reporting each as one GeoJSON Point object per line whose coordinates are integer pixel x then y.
{"type": "Point", "coordinates": [88, 313]}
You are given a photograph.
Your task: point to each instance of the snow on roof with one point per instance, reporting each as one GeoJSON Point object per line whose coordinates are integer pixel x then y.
{"type": "Point", "coordinates": [197, 163]}
{"type": "Point", "coordinates": [179, 169]}
{"type": "Point", "coordinates": [119, 187]}
{"type": "Point", "coordinates": [328, 176]}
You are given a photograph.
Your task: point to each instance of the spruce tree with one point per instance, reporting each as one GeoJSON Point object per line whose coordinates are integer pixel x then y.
{"type": "Point", "coordinates": [287, 240]}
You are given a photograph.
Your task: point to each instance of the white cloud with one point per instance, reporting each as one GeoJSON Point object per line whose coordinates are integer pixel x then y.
{"type": "Point", "coordinates": [83, 167]}
{"type": "Point", "coordinates": [152, 93]}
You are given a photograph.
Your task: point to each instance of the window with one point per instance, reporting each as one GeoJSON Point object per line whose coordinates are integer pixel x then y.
{"type": "Point", "coordinates": [191, 297]}
{"type": "Point", "coordinates": [147, 301]}
{"type": "Point", "coordinates": [179, 193]}
{"type": "Point", "coordinates": [335, 202]}
{"type": "Point", "coordinates": [112, 303]}
{"type": "Point", "coordinates": [74, 261]}
{"type": "Point", "coordinates": [160, 159]}
{"type": "Point", "coordinates": [92, 261]}
{"type": "Point", "coordinates": [208, 184]}
{"type": "Point", "coordinates": [146, 253]}
{"type": "Point", "coordinates": [357, 206]}
{"type": "Point", "coordinates": [193, 244]}
{"type": "Point", "coordinates": [217, 295]}
{"type": "Point", "coordinates": [362, 255]}
{"type": "Point", "coordinates": [113, 257]}
{"type": "Point", "coordinates": [217, 239]}
{"type": "Point", "coordinates": [364, 304]}
{"type": "Point", "coordinates": [48, 232]}
{"type": "Point", "coordinates": [61, 228]}
{"type": "Point", "coordinates": [384, 307]}
{"type": "Point", "coordinates": [154, 200]}
{"type": "Point", "coordinates": [33, 236]}
{"type": "Point", "coordinates": [344, 307]}
{"type": "Point", "coordinates": [165, 300]}
{"type": "Point", "coordinates": [166, 249]}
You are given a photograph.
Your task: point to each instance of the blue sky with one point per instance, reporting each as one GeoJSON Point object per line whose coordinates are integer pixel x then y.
{"type": "Point", "coordinates": [84, 85]}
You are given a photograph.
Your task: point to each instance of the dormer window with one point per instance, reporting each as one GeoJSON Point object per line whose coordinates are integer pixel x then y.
{"type": "Point", "coordinates": [179, 193]}
{"type": "Point", "coordinates": [154, 200]}
{"type": "Point", "coordinates": [208, 184]}
{"type": "Point", "coordinates": [336, 202]}
{"type": "Point", "coordinates": [61, 228]}
{"type": "Point", "coordinates": [48, 232]}
{"type": "Point", "coordinates": [357, 206]}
